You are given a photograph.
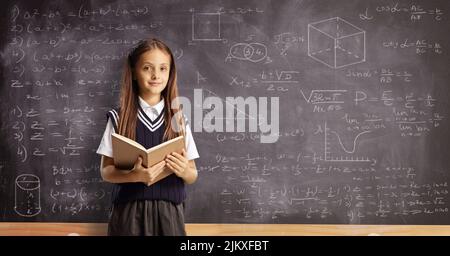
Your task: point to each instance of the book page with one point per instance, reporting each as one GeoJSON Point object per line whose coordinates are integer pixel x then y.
{"type": "Point", "coordinates": [126, 153]}
{"type": "Point", "coordinates": [159, 153]}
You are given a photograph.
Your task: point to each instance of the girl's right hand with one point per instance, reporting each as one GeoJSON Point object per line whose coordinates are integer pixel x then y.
{"type": "Point", "coordinates": [147, 175]}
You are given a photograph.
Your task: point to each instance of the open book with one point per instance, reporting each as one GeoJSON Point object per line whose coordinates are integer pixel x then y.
{"type": "Point", "coordinates": [126, 151]}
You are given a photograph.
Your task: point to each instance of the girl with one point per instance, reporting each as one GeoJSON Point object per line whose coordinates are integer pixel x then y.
{"type": "Point", "coordinates": [149, 85]}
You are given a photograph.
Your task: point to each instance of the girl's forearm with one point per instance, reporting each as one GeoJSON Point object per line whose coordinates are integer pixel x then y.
{"type": "Point", "coordinates": [113, 175]}
{"type": "Point", "coordinates": [190, 175]}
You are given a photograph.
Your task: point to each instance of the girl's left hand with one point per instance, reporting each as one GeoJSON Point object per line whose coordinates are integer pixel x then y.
{"type": "Point", "coordinates": [177, 163]}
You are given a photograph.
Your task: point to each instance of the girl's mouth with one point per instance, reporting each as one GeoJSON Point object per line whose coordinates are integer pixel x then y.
{"type": "Point", "coordinates": [154, 84]}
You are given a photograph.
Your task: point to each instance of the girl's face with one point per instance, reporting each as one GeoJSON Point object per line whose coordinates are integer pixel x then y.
{"type": "Point", "coordinates": [152, 72]}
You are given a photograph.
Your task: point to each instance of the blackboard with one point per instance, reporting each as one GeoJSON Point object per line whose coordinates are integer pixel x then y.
{"type": "Point", "coordinates": [363, 109]}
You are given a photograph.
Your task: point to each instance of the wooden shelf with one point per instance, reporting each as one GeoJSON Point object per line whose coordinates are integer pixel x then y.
{"type": "Point", "coordinates": [99, 229]}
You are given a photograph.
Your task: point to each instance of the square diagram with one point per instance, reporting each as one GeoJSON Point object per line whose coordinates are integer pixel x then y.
{"type": "Point", "coordinates": [206, 26]}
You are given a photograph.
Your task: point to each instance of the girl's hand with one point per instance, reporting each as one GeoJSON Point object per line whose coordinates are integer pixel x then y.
{"type": "Point", "coordinates": [178, 163]}
{"type": "Point", "coordinates": [147, 175]}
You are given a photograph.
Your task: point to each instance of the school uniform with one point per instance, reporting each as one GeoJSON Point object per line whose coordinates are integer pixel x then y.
{"type": "Point", "coordinates": [139, 209]}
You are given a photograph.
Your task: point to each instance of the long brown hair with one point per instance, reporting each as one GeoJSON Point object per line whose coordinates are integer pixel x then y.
{"type": "Point", "coordinates": [129, 92]}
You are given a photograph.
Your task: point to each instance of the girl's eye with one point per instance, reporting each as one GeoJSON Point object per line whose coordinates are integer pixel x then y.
{"type": "Point", "coordinates": [163, 69]}
{"type": "Point", "coordinates": [145, 68]}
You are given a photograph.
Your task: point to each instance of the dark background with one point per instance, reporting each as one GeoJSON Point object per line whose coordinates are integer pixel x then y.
{"type": "Point", "coordinates": [360, 143]}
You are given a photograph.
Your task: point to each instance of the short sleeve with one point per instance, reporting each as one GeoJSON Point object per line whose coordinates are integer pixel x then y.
{"type": "Point", "coordinates": [105, 147]}
{"type": "Point", "coordinates": [191, 148]}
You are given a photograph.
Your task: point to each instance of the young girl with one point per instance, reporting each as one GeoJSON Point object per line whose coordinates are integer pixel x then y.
{"type": "Point", "coordinates": [149, 85]}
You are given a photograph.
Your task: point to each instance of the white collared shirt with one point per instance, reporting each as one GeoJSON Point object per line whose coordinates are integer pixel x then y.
{"type": "Point", "coordinates": [105, 147]}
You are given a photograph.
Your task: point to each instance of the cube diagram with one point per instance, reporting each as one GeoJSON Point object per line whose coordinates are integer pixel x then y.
{"type": "Point", "coordinates": [336, 43]}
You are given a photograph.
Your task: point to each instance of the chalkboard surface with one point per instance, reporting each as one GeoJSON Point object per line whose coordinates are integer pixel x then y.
{"type": "Point", "coordinates": [362, 86]}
